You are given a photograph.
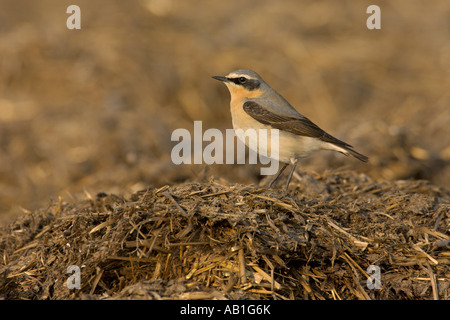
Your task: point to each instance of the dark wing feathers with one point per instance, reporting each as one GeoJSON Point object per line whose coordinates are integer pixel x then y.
{"type": "Point", "coordinates": [301, 126]}
{"type": "Point", "coordinates": [298, 125]}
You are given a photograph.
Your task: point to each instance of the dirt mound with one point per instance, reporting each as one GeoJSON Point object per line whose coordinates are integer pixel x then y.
{"type": "Point", "coordinates": [217, 240]}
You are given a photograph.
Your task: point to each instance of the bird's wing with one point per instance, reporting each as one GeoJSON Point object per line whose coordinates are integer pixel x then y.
{"type": "Point", "coordinates": [296, 124]}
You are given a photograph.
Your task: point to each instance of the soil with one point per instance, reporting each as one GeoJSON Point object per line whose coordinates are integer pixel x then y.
{"type": "Point", "coordinates": [217, 240]}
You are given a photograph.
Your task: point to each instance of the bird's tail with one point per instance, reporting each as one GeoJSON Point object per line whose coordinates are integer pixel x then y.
{"type": "Point", "coordinates": [343, 147]}
{"type": "Point", "coordinates": [355, 154]}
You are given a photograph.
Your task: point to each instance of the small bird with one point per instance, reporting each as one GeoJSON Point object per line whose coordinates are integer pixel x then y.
{"type": "Point", "coordinates": [255, 105]}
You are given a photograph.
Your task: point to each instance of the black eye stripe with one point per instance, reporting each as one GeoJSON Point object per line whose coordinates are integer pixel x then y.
{"type": "Point", "coordinates": [249, 84]}
{"type": "Point", "coordinates": [235, 80]}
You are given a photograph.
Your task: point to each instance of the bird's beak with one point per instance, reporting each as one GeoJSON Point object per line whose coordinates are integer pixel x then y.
{"type": "Point", "coordinates": [220, 78]}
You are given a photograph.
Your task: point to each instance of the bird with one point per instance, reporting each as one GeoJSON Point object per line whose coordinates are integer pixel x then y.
{"type": "Point", "coordinates": [255, 105]}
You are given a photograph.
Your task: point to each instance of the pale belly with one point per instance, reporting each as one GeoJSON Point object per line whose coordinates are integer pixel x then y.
{"type": "Point", "coordinates": [275, 144]}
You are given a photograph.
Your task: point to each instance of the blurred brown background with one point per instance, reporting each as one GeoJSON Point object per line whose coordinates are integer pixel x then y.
{"type": "Point", "coordinates": [90, 110]}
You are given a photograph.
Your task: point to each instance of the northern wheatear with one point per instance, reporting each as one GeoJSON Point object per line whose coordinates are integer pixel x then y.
{"type": "Point", "coordinates": [255, 105]}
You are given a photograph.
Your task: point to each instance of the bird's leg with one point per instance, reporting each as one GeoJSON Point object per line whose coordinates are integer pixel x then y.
{"type": "Point", "coordinates": [278, 175]}
{"type": "Point", "coordinates": [294, 164]}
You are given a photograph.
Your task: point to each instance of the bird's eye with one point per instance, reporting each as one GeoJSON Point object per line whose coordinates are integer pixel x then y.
{"type": "Point", "coordinates": [242, 79]}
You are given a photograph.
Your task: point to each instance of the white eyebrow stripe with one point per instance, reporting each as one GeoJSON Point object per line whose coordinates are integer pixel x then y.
{"type": "Point", "coordinates": [236, 75]}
